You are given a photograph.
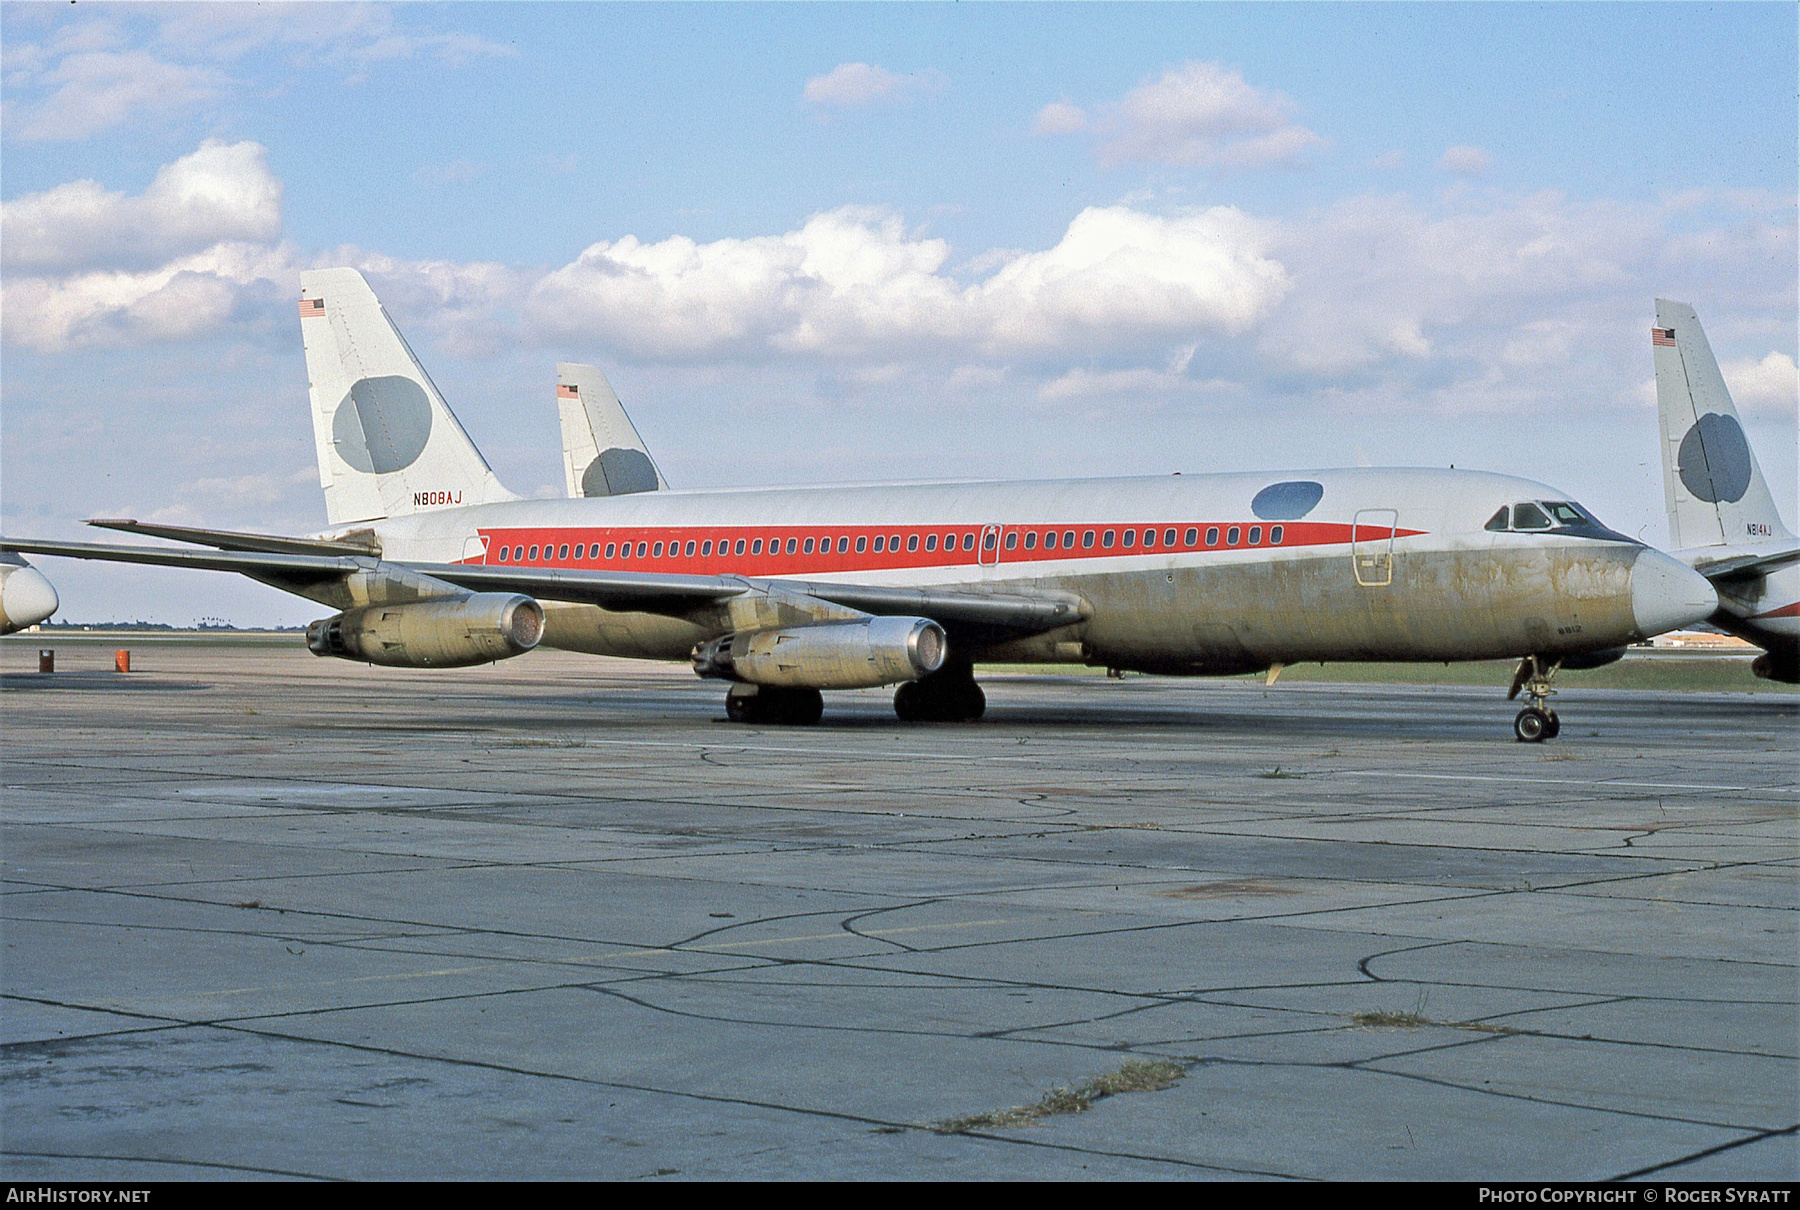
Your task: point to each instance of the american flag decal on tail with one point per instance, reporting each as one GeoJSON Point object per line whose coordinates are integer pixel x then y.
{"type": "Point", "coordinates": [311, 306]}
{"type": "Point", "coordinates": [1662, 336]}
{"type": "Point", "coordinates": [567, 392]}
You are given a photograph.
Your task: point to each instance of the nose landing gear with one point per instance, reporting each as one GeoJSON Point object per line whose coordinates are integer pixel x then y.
{"type": "Point", "coordinates": [1537, 722]}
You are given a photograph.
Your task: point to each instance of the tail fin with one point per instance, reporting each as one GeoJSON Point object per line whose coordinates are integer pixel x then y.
{"type": "Point", "coordinates": [1714, 488]}
{"type": "Point", "coordinates": [388, 444]}
{"type": "Point", "coordinates": [602, 452]}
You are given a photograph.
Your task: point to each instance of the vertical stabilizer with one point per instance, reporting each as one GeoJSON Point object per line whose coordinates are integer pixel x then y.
{"type": "Point", "coordinates": [1711, 481]}
{"type": "Point", "coordinates": [388, 444]}
{"type": "Point", "coordinates": [602, 452]}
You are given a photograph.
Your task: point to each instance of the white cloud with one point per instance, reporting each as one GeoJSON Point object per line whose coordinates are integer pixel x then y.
{"type": "Point", "coordinates": [1060, 117]}
{"type": "Point", "coordinates": [1465, 161]}
{"type": "Point", "coordinates": [853, 282]}
{"type": "Point", "coordinates": [459, 171]}
{"type": "Point", "coordinates": [97, 90]}
{"type": "Point", "coordinates": [1198, 115]}
{"type": "Point", "coordinates": [853, 84]}
{"type": "Point", "coordinates": [1769, 387]}
{"type": "Point", "coordinates": [222, 192]}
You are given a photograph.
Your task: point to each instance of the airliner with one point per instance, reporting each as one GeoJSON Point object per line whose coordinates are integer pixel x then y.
{"type": "Point", "coordinates": [1723, 521]}
{"type": "Point", "coordinates": [780, 593]}
{"type": "Point", "coordinates": [26, 597]}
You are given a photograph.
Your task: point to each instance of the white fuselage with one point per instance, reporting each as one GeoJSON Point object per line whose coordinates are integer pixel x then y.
{"type": "Point", "coordinates": [1187, 573]}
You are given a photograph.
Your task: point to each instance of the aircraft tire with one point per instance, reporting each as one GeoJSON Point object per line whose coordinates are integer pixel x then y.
{"type": "Point", "coordinates": [776, 707]}
{"type": "Point", "coordinates": [1532, 726]}
{"type": "Point", "coordinates": [937, 701]}
{"type": "Point", "coordinates": [1555, 726]}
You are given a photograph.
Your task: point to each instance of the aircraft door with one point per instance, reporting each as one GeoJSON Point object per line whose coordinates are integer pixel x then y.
{"type": "Point", "coordinates": [1372, 546]}
{"type": "Point", "coordinates": [475, 549]}
{"type": "Point", "coordinates": [989, 554]}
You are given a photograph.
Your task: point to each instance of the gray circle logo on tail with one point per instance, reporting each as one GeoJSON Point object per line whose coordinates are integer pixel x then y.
{"type": "Point", "coordinates": [1287, 501]}
{"type": "Point", "coordinates": [1714, 459]}
{"type": "Point", "coordinates": [619, 472]}
{"type": "Point", "coordinates": [382, 425]}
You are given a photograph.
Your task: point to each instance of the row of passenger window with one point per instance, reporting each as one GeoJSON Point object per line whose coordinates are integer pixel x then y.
{"type": "Point", "coordinates": [881, 542]}
{"type": "Point", "coordinates": [1129, 538]}
{"type": "Point", "coordinates": [754, 546]}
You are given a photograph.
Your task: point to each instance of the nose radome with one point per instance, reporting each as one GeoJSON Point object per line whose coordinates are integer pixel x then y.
{"type": "Point", "coordinates": [1667, 595]}
{"type": "Point", "coordinates": [26, 598]}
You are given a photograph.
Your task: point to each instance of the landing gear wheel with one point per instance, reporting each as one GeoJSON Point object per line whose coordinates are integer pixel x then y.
{"type": "Point", "coordinates": [1533, 726]}
{"type": "Point", "coordinates": [951, 697]}
{"type": "Point", "coordinates": [1555, 726]}
{"type": "Point", "coordinates": [778, 707]}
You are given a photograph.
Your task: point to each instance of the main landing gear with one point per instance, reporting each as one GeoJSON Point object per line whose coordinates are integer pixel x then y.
{"type": "Point", "coordinates": [949, 695]}
{"type": "Point", "coordinates": [1537, 722]}
{"type": "Point", "coordinates": [779, 707]}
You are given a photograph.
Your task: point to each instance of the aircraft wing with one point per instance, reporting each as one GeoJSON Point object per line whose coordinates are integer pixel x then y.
{"type": "Point", "coordinates": [225, 539]}
{"type": "Point", "coordinates": [1728, 563]}
{"type": "Point", "coordinates": [1024, 613]}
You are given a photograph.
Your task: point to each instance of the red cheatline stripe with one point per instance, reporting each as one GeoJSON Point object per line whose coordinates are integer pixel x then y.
{"type": "Point", "coordinates": [770, 561]}
{"type": "Point", "coordinates": [1786, 611]}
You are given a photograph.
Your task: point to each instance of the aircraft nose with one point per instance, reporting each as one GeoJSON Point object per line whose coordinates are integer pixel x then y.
{"type": "Point", "coordinates": [26, 598]}
{"type": "Point", "coordinates": [1667, 595]}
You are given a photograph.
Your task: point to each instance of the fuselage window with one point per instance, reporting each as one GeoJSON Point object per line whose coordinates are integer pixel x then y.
{"type": "Point", "coordinates": [912, 543]}
{"type": "Point", "coordinates": [988, 540]}
{"type": "Point", "coordinates": [1087, 538]}
{"type": "Point", "coordinates": [656, 551]}
{"type": "Point", "coordinates": [880, 543]}
{"type": "Point", "coordinates": [1193, 536]}
{"type": "Point", "coordinates": [1149, 537]}
{"type": "Point", "coordinates": [1031, 540]}
{"type": "Point", "coordinates": [1012, 540]}
{"type": "Point", "coordinates": [611, 549]}
{"type": "Point", "coordinates": [562, 552]}
{"type": "Point", "coordinates": [791, 544]}
{"type": "Point", "coordinates": [579, 548]}
{"type": "Point", "coordinates": [1231, 536]}
{"type": "Point", "coordinates": [862, 544]}
{"type": "Point", "coordinates": [706, 547]}
{"type": "Point", "coordinates": [1169, 538]}
{"type": "Point", "coordinates": [688, 550]}
{"type": "Point", "coordinates": [739, 548]}
{"type": "Point", "coordinates": [642, 547]}
{"type": "Point", "coordinates": [1212, 536]}
{"type": "Point", "coordinates": [930, 541]}
{"type": "Point", "coordinates": [1068, 539]}
{"type": "Point", "coordinates": [894, 542]}
{"type": "Point", "coordinates": [534, 551]}
{"type": "Point", "coordinates": [518, 554]}
{"type": "Point", "coordinates": [1500, 521]}
{"type": "Point", "coordinates": [1275, 535]}
{"type": "Point", "coordinates": [1529, 516]}
{"type": "Point", "coordinates": [1128, 538]}
{"type": "Point", "coordinates": [1256, 535]}
{"type": "Point", "coordinates": [1106, 539]}
{"type": "Point", "coordinates": [809, 546]}
{"type": "Point", "coordinates": [843, 545]}
{"type": "Point", "coordinates": [1050, 540]}
{"type": "Point", "coordinates": [968, 541]}
{"type": "Point", "coordinates": [504, 551]}
{"type": "Point", "coordinates": [756, 547]}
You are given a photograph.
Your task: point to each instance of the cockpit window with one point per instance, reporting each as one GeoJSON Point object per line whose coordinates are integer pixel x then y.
{"type": "Point", "coordinates": [1566, 513]}
{"type": "Point", "coordinates": [1529, 516]}
{"type": "Point", "coordinates": [1501, 520]}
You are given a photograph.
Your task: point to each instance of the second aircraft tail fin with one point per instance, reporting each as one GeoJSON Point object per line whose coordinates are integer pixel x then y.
{"type": "Point", "coordinates": [602, 452]}
{"type": "Point", "coordinates": [1712, 484]}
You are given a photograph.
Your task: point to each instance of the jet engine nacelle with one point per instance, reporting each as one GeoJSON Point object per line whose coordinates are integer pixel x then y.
{"type": "Point", "coordinates": [831, 655]}
{"type": "Point", "coordinates": [449, 633]}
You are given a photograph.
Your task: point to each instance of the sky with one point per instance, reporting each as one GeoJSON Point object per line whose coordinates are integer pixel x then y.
{"type": "Point", "coordinates": [819, 243]}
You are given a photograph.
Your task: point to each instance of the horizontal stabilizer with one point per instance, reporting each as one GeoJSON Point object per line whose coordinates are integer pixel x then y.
{"type": "Point", "coordinates": [1719, 563]}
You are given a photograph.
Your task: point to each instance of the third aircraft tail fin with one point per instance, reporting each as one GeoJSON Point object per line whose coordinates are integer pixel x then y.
{"type": "Point", "coordinates": [602, 452]}
{"type": "Point", "coordinates": [1711, 481]}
